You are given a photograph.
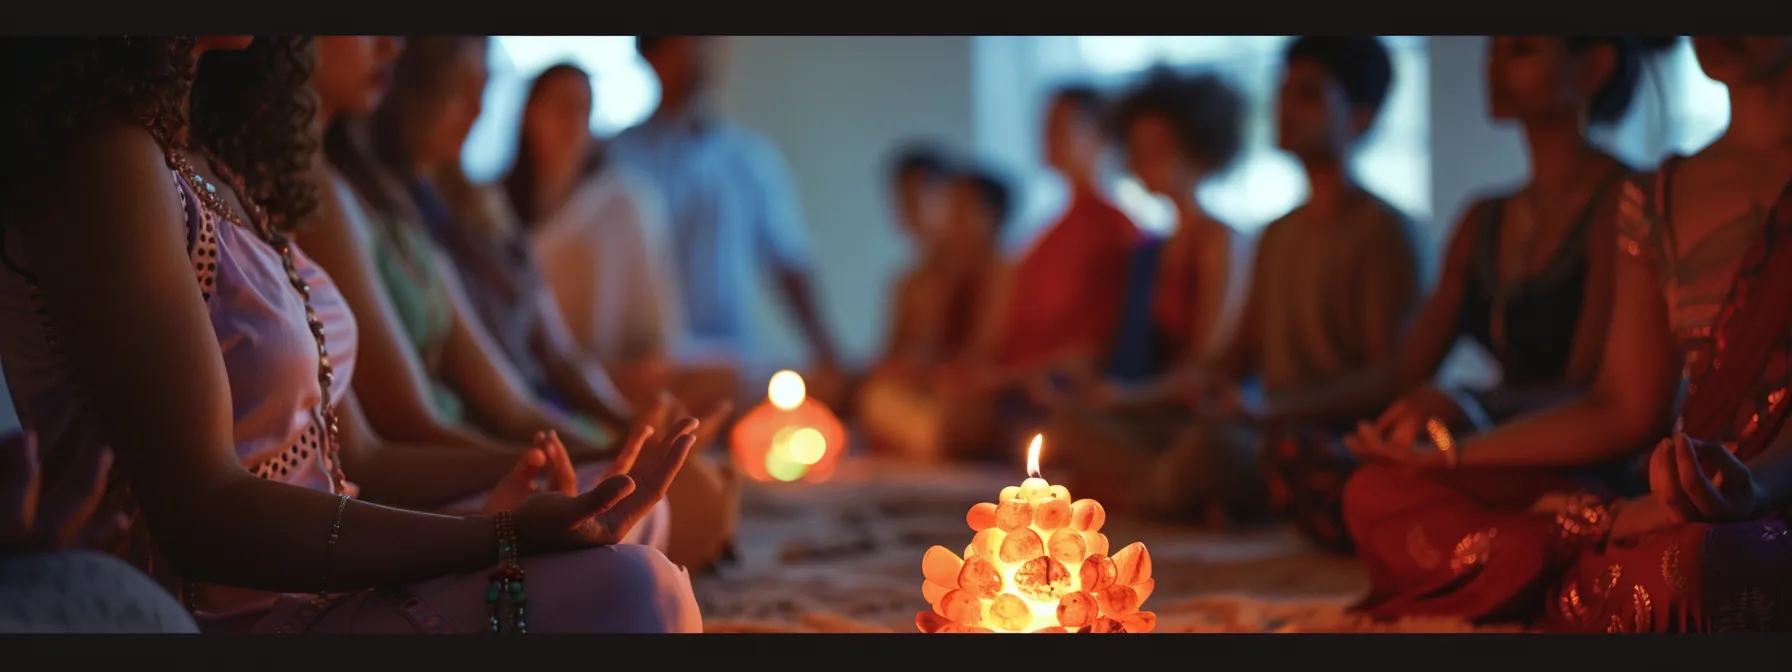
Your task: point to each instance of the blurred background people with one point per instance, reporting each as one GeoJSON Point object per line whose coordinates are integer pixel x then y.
{"type": "Point", "coordinates": [1115, 421]}
{"type": "Point", "coordinates": [732, 208]}
{"type": "Point", "coordinates": [955, 216]}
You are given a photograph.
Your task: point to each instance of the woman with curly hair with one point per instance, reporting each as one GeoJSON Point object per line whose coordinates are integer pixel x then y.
{"type": "Point", "coordinates": [150, 185]}
{"type": "Point", "coordinates": [1178, 131]}
{"type": "Point", "coordinates": [1052, 307]}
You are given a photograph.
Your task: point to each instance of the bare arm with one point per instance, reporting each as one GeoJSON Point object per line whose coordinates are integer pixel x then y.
{"type": "Point", "coordinates": [476, 367]}
{"type": "Point", "coordinates": [414, 477]}
{"type": "Point", "coordinates": [799, 295]}
{"type": "Point", "coordinates": [1435, 331]}
{"type": "Point", "coordinates": [572, 372]}
{"type": "Point", "coordinates": [992, 321]}
{"type": "Point", "coordinates": [1627, 407]}
{"type": "Point", "coordinates": [114, 263]}
{"type": "Point", "coordinates": [904, 344]}
{"type": "Point", "coordinates": [390, 375]}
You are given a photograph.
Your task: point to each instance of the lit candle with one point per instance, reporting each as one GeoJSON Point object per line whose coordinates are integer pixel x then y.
{"type": "Point", "coordinates": [1038, 563]}
{"type": "Point", "coordinates": [790, 437]}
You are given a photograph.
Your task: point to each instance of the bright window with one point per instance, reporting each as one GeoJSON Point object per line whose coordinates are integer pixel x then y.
{"type": "Point", "coordinates": [1701, 107]}
{"type": "Point", "coordinates": [623, 86]}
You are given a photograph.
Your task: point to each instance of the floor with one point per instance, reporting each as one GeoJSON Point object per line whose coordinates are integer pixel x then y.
{"type": "Point", "coordinates": [845, 556]}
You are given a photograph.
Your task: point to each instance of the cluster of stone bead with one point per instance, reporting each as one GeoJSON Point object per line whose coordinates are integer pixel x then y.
{"type": "Point", "coordinates": [1038, 563]}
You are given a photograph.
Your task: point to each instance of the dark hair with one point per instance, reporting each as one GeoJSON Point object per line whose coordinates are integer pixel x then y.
{"type": "Point", "coordinates": [419, 81]}
{"type": "Point", "coordinates": [922, 159]}
{"type": "Point", "coordinates": [1359, 64]}
{"type": "Point", "coordinates": [1082, 97]}
{"type": "Point", "coordinates": [1206, 113]}
{"type": "Point", "coordinates": [992, 190]}
{"type": "Point", "coordinates": [519, 183]}
{"type": "Point", "coordinates": [644, 44]}
{"type": "Point", "coordinates": [349, 148]}
{"type": "Point", "coordinates": [1613, 98]}
{"type": "Point", "coordinates": [250, 108]}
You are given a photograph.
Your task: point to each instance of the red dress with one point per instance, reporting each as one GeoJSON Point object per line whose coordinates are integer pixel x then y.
{"type": "Point", "coordinates": [1066, 289]}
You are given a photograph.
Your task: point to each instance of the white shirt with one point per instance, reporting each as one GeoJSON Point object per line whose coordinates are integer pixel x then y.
{"type": "Point", "coordinates": [606, 255]}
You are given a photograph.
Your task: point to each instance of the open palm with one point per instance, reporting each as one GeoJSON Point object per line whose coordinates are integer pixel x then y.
{"type": "Point", "coordinates": [623, 496]}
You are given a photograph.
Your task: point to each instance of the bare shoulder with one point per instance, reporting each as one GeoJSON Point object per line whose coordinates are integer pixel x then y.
{"type": "Point", "coordinates": [109, 178]}
{"type": "Point", "coordinates": [338, 205]}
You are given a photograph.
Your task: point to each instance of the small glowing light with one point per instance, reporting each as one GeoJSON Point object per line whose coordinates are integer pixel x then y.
{"type": "Point", "coordinates": [779, 460]}
{"type": "Point", "coordinates": [786, 390]}
{"type": "Point", "coordinates": [1033, 455]}
{"type": "Point", "coordinates": [807, 446]}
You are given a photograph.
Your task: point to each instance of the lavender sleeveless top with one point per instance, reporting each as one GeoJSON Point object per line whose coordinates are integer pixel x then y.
{"type": "Point", "coordinates": [269, 354]}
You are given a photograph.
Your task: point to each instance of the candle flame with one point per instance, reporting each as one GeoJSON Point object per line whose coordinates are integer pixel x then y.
{"type": "Point", "coordinates": [786, 391]}
{"type": "Point", "coordinates": [1033, 455]}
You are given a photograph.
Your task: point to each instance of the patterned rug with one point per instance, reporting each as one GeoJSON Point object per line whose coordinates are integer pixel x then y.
{"type": "Point", "coordinates": [845, 556]}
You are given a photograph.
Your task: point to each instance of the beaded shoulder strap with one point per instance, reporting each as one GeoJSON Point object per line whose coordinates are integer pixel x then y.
{"type": "Point", "coordinates": [202, 238]}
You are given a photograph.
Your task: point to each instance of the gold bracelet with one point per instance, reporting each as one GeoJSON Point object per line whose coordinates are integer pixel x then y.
{"type": "Point", "coordinates": [330, 546]}
{"type": "Point", "coordinates": [1445, 442]}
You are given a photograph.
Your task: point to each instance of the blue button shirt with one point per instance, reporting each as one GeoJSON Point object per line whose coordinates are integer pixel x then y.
{"type": "Point", "coordinates": [731, 207]}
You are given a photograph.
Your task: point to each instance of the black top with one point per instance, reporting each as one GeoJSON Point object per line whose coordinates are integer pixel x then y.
{"type": "Point", "coordinates": [1542, 311]}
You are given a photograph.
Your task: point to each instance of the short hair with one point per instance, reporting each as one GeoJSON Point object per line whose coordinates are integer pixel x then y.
{"type": "Point", "coordinates": [1359, 64]}
{"type": "Point", "coordinates": [924, 159]}
{"type": "Point", "coordinates": [1084, 98]}
{"type": "Point", "coordinates": [992, 190]}
{"type": "Point", "coordinates": [1206, 113]}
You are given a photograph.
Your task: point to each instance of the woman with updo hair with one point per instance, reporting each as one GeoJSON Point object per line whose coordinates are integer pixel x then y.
{"type": "Point", "coordinates": [1178, 131]}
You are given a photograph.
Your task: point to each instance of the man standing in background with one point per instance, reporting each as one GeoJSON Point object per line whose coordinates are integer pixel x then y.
{"type": "Point", "coordinates": [731, 207]}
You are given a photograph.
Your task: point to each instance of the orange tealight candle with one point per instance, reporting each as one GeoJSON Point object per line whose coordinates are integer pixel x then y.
{"type": "Point", "coordinates": [1038, 563]}
{"type": "Point", "coordinates": [790, 437]}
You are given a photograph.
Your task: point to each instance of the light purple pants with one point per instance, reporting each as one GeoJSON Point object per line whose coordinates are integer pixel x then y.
{"type": "Point", "coordinates": [628, 588]}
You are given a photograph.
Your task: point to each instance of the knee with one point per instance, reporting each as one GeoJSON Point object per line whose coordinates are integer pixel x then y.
{"type": "Point", "coordinates": [626, 588]}
{"type": "Point", "coordinates": [85, 592]}
{"type": "Point", "coordinates": [1367, 491]}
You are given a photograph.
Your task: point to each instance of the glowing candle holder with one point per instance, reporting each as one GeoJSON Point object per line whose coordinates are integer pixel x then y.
{"type": "Point", "coordinates": [790, 437]}
{"type": "Point", "coordinates": [1038, 563]}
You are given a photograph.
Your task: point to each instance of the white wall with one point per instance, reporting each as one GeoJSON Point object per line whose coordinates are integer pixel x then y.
{"type": "Point", "coordinates": [1470, 155]}
{"type": "Point", "coordinates": [837, 106]}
